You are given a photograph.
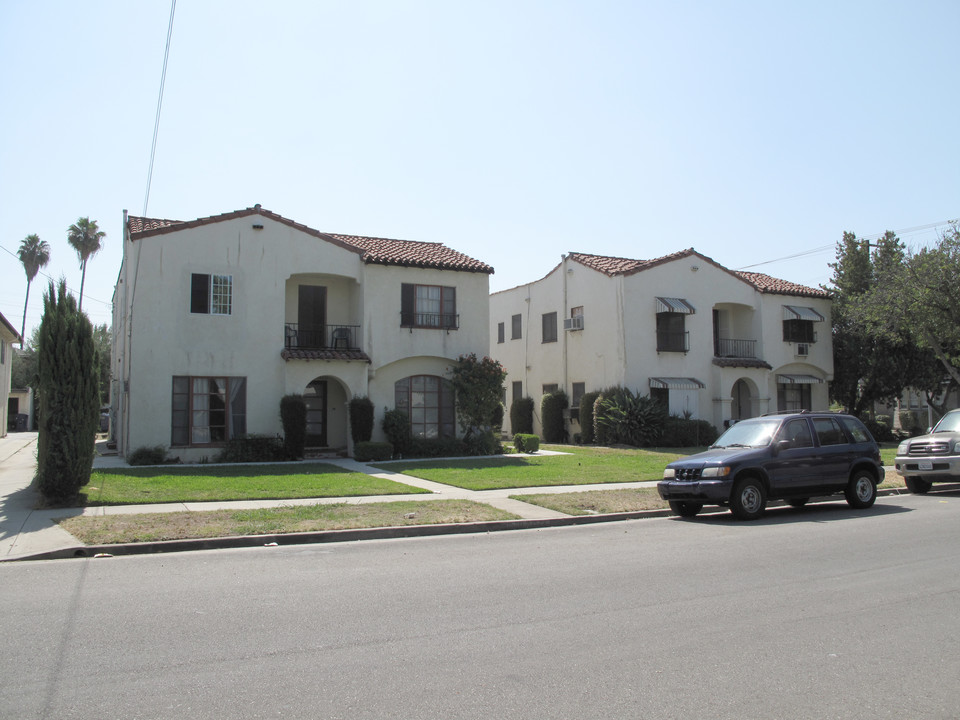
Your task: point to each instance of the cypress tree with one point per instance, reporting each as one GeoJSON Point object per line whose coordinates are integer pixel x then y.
{"type": "Point", "coordinates": [67, 365]}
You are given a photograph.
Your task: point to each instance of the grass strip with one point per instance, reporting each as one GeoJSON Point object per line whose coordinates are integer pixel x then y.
{"type": "Point", "coordinates": [582, 466]}
{"type": "Point", "coordinates": [597, 502]}
{"type": "Point", "coordinates": [181, 525]}
{"type": "Point", "coordinates": [134, 486]}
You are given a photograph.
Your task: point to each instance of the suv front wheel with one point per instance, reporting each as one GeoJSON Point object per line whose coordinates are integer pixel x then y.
{"type": "Point", "coordinates": [917, 485]}
{"type": "Point", "coordinates": [861, 490]}
{"type": "Point", "coordinates": [749, 499]}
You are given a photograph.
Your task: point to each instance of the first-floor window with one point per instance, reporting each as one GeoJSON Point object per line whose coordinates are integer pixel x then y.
{"type": "Point", "coordinates": [428, 402]}
{"type": "Point", "coordinates": [208, 410]}
{"type": "Point", "coordinates": [794, 396]}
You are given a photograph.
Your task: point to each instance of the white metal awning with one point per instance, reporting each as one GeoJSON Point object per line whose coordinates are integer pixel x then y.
{"type": "Point", "coordinates": [798, 380]}
{"type": "Point", "coordinates": [676, 305]}
{"type": "Point", "coordinates": [796, 312]}
{"type": "Point", "coordinates": [676, 383]}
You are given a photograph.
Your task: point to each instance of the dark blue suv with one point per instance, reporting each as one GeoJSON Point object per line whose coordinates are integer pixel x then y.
{"type": "Point", "coordinates": [783, 456]}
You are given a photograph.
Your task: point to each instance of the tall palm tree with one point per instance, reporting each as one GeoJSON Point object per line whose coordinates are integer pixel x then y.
{"type": "Point", "coordinates": [84, 236]}
{"type": "Point", "coordinates": [34, 253]}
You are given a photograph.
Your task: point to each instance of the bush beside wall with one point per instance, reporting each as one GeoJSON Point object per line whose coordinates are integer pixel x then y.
{"type": "Point", "coordinates": [521, 415]}
{"type": "Point", "coordinates": [366, 451]}
{"type": "Point", "coordinates": [526, 443]}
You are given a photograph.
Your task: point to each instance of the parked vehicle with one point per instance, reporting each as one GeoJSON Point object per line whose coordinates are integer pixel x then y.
{"type": "Point", "coordinates": [788, 456]}
{"type": "Point", "coordinates": [930, 458]}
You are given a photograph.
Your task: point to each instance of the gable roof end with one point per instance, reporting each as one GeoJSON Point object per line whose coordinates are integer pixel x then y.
{"type": "Point", "coordinates": [379, 251]}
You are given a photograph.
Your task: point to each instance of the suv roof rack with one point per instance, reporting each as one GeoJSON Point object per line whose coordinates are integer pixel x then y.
{"type": "Point", "coordinates": [785, 412]}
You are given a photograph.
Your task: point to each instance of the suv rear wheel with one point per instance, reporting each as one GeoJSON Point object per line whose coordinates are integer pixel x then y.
{"type": "Point", "coordinates": [917, 485]}
{"type": "Point", "coordinates": [685, 508]}
{"type": "Point", "coordinates": [749, 499]}
{"type": "Point", "coordinates": [861, 490]}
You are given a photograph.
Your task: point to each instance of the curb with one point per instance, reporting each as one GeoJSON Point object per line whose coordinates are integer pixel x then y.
{"type": "Point", "coordinates": [384, 533]}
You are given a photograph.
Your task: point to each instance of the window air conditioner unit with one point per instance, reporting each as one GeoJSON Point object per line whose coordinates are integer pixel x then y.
{"type": "Point", "coordinates": [803, 349]}
{"type": "Point", "coordinates": [574, 323]}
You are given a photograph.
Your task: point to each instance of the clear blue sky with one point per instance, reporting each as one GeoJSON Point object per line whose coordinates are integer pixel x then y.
{"type": "Point", "coordinates": [513, 131]}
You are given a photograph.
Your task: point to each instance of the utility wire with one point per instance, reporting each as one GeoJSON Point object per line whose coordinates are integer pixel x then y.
{"type": "Point", "coordinates": [48, 277]}
{"type": "Point", "coordinates": [156, 124]}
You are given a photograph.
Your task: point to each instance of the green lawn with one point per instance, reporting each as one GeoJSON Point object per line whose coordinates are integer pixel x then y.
{"type": "Point", "coordinates": [126, 486]}
{"type": "Point", "coordinates": [597, 502]}
{"type": "Point", "coordinates": [582, 466]}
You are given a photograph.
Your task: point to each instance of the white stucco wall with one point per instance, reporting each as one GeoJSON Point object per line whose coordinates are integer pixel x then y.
{"type": "Point", "coordinates": [162, 338]}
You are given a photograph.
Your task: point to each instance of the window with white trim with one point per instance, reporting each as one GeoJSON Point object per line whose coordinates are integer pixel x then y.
{"type": "Point", "coordinates": [211, 294]}
{"type": "Point", "coordinates": [208, 410]}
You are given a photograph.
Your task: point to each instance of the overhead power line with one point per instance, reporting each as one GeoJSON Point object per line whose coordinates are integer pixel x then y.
{"type": "Point", "coordinates": [875, 236]}
{"type": "Point", "coordinates": [156, 123]}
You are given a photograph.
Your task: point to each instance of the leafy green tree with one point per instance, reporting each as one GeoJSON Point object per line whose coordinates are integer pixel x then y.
{"type": "Point", "coordinates": [34, 254]}
{"type": "Point", "coordinates": [101, 338]}
{"type": "Point", "coordinates": [919, 297]}
{"type": "Point", "coordinates": [478, 386]}
{"type": "Point", "coordinates": [69, 397]}
{"type": "Point", "coordinates": [869, 365]}
{"type": "Point", "coordinates": [24, 366]}
{"type": "Point", "coordinates": [87, 239]}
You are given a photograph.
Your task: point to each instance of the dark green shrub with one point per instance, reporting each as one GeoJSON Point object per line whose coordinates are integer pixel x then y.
{"type": "Point", "coordinates": [551, 412]}
{"type": "Point", "coordinates": [293, 416]}
{"type": "Point", "coordinates": [521, 415]}
{"type": "Point", "coordinates": [497, 421]}
{"type": "Point", "coordinates": [526, 442]}
{"type": "Point", "coordinates": [69, 392]}
{"type": "Point", "coordinates": [630, 419]}
{"type": "Point", "coordinates": [366, 451]}
{"type": "Point", "coordinates": [361, 419]}
{"type": "Point", "coordinates": [156, 455]}
{"type": "Point", "coordinates": [437, 447]}
{"type": "Point", "coordinates": [483, 443]}
{"type": "Point", "coordinates": [396, 426]}
{"type": "Point", "coordinates": [910, 423]}
{"type": "Point", "coordinates": [586, 417]}
{"type": "Point", "coordinates": [683, 432]}
{"type": "Point", "coordinates": [880, 428]}
{"type": "Point", "coordinates": [253, 448]}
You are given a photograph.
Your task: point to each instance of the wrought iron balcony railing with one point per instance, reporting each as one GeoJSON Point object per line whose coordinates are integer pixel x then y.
{"type": "Point", "coordinates": [727, 348]}
{"type": "Point", "coordinates": [321, 337]}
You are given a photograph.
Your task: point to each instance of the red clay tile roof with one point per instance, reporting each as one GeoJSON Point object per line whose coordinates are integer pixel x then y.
{"type": "Point", "coordinates": [379, 251]}
{"type": "Point", "coordinates": [325, 354]}
{"type": "Point", "coordinates": [612, 266]}
{"type": "Point", "coordinates": [768, 284]}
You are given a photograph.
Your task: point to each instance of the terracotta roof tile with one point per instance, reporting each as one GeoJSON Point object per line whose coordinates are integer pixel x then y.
{"type": "Point", "coordinates": [623, 266]}
{"type": "Point", "coordinates": [327, 354]}
{"type": "Point", "coordinates": [380, 251]}
{"type": "Point", "coordinates": [767, 284]}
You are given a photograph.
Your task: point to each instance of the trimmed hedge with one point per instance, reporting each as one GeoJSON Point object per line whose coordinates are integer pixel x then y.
{"type": "Point", "coordinates": [396, 426]}
{"type": "Point", "coordinates": [361, 419]}
{"type": "Point", "coordinates": [586, 417]}
{"type": "Point", "coordinates": [681, 432]}
{"type": "Point", "coordinates": [156, 455]}
{"type": "Point", "coordinates": [551, 412]}
{"type": "Point", "coordinates": [253, 448]}
{"type": "Point", "coordinates": [526, 443]}
{"type": "Point", "coordinates": [521, 415]}
{"type": "Point", "coordinates": [293, 415]}
{"type": "Point", "coordinates": [367, 451]}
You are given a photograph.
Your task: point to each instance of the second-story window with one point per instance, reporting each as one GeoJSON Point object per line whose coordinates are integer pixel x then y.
{"type": "Point", "coordinates": [428, 306]}
{"type": "Point", "coordinates": [798, 324]}
{"type": "Point", "coordinates": [672, 334]}
{"type": "Point", "coordinates": [500, 333]}
{"type": "Point", "coordinates": [516, 327]}
{"type": "Point", "coordinates": [549, 327]}
{"type": "Point", "coordinates": [211, 294]}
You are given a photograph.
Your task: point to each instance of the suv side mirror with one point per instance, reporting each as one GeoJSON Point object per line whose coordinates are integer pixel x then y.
{"type": "Point", "coordinates": [781, 445]}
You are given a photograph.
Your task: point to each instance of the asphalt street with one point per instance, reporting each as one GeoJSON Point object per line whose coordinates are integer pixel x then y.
{"type": "Point", "coordinates": [825, 612]}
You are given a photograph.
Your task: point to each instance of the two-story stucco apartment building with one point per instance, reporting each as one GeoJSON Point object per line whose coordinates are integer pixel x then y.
{"type": "Point", "coordinates": [715, 344]}
{"type": "Point", "coordinates": [216, 319]}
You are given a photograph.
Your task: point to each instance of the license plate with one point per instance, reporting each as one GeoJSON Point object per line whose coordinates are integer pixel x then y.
{"type": "Point", "coordinates": [925, 465]}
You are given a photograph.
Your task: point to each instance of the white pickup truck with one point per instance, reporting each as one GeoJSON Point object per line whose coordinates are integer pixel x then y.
{"type": "Point", "coordinates": [931, 458]}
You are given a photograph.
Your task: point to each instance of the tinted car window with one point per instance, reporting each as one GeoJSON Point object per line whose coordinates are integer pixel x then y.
{"type": "Point", "coordinates": [857, 431]}
{"type": "Point", "coordinates": [829, 432]}
{"type": "Point", "coordinates": [798, 433]}
{"type": "Point", "coordinates": [751, 433]}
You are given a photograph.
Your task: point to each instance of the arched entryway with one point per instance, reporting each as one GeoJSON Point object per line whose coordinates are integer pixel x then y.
{"type": "Point", "coordinates": [741, 402]}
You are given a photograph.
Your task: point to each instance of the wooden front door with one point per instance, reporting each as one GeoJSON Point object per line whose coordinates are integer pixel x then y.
{"type": "Point", "coordinates": [312, 316]}
{"type": "Point", "coordinates": [316, 401]}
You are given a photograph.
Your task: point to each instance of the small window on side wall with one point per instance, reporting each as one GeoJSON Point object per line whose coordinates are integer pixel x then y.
{"type": "Point", "coordinates": [211, 294]}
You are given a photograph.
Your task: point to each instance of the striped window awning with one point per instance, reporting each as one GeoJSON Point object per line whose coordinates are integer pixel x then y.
{"type": "Point", "coordinates": [676, 383]}
{"type": "Point", "coordinates": [798, 380]}
{"type": "Point", "coordinates": [795, 312]}
{"type": "Point", "coordinates": [676, 305]}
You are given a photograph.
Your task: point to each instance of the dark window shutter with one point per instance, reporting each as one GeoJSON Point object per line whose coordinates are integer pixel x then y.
{"type": "Point", "coordinates": [406, 304]}
{"type": "Point", "coordinates": [200, 293]}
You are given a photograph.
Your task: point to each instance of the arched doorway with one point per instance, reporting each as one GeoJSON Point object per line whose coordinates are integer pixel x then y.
{"type": "Point", "coordinates": [741, 406]}
{"type": "Point", "coordinates": [315, 397]}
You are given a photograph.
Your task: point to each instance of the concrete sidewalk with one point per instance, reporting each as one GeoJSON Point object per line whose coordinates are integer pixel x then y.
{"type": "Point", "coordinates": [26, 532]}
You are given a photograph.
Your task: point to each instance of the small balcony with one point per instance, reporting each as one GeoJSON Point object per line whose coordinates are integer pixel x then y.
{"type": "Point", "coordinates": [727, 348]}
{"type": "Point", "coordinates": [298, 336]}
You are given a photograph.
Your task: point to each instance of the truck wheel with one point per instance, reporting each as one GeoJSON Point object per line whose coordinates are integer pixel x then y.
{"type": "Point", "coordinates": [861, 490]}
{"type": "Point", "coordinates": [917, 485]}
{"type": "Point", "coordinates": [685, 508]}
{"type": "Point", "coordinates": [748, 500]}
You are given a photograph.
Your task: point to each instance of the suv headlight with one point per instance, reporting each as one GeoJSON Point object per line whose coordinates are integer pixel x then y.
{"type": "Point", "coordinates": [903, 448]}
{"type": "Point", "coordinates": [669, 473]}
{"type": "Point", "coordinates": [711, 472]}
{"type": "Point", "coordinates": [956, 448]}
